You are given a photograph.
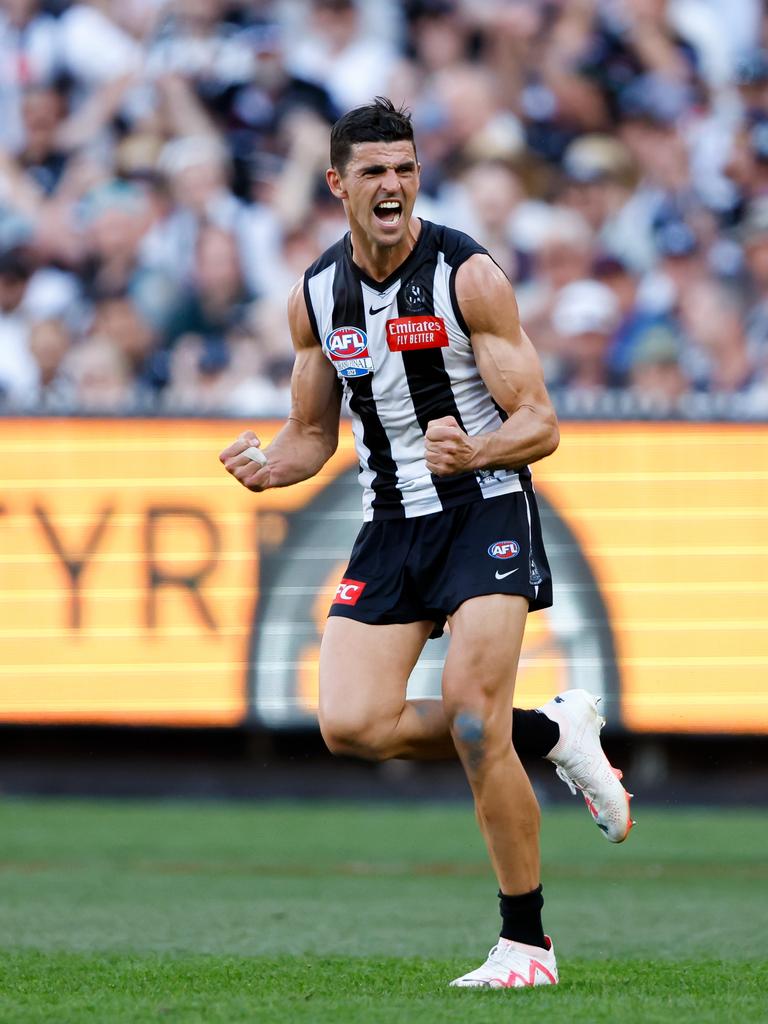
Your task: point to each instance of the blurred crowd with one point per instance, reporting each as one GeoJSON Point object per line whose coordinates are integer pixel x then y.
{"type": "Point", "coordinates": [162, 187]}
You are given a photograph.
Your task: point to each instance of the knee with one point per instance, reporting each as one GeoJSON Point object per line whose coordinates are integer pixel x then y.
{"type": "Point", "coordinates": [478, 732]}
{"type": "Point", "coordinates": [470, 731]}
{"type": "Point", "coordinates": [354, 736]}
{"type": "Point", "coordinates": [470, 712]}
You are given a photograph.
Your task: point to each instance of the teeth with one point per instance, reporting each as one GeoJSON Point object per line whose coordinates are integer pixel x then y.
{"type": "Point", "coordinates": [389, 206]}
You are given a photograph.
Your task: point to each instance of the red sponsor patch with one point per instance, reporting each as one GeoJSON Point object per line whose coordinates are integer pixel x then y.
{"type": "Point", "coordinates": [348, 592]}
{"type": "Point", "coordinates": [408, 333]}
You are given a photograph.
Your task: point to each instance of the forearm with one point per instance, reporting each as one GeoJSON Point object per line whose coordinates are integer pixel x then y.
{"type": "Point", "coordinates": [298, 452]}
{"type": "Point", "coordinates": [531, 433]}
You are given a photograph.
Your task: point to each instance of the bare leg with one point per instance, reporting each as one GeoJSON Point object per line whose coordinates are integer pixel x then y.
{"type": "Point", "coordinates": [478, 686]}
{"type": "Point", "coordinates": [363, 675]}
{"type": "Point", "coordinates": [364, 671]}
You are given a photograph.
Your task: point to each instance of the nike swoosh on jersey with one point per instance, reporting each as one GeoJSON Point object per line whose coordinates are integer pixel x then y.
{"type": "Point", "coordinates": [381, 309]}
{"type": "Point", "coordinates": [503, 575]}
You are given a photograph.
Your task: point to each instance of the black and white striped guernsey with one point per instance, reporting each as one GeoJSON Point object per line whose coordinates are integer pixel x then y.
{"type": "Point", "coordinates": [402, 351]}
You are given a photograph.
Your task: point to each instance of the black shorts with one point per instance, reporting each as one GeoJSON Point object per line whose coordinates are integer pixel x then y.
{"type": "Point", "coordinates": [412, 570]}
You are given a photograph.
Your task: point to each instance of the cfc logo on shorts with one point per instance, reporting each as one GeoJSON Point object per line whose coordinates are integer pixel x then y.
{"type": "Point", "coordinates": [504, 549]}
{"type": "Point", "coordinates": [348, 592]}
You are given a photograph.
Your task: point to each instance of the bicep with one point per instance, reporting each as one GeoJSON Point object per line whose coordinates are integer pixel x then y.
{"type": "Point", "coordinates": [505, 356]}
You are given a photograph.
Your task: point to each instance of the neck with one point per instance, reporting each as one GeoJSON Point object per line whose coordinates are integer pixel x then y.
{"type": "Point", "coordinates": [379, 261]}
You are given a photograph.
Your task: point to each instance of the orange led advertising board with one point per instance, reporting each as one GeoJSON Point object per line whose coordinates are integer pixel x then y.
{"type": "Point", "coordinates": [130, 564]}
{"type": "Point", "coordinates": [142, 585]}
{"type": "Point", "coordinates": [673, 519]}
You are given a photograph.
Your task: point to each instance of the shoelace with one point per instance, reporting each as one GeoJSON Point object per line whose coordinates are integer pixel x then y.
{"type": "Point", "coordinates": [492, 958]}
{"type": "Point", "coordinates": [563, 774]}
{"type": "Point", "coordinates": [571, 783]}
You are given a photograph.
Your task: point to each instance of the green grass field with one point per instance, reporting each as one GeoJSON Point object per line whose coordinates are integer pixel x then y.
{"type": "Point", "coordinates": [296, 914]}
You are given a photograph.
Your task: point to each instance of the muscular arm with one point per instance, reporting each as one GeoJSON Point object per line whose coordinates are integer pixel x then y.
{"type": "Point", "coordinates": [511, 371]}
{"type": "Point", "coordinates": [311, 434]}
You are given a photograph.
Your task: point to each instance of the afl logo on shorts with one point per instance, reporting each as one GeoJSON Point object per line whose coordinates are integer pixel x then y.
{"type": "Point", "coordinates": [504, 549]}
{"type": "Point", "coordinates": [347, 348]}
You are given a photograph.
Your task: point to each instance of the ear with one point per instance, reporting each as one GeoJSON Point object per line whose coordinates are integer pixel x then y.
{"type": "Point", "coordinates": [333, 178]}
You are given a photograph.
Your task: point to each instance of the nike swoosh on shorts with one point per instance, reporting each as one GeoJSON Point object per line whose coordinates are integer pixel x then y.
{"type": "Point", "coordinates": [503, 575]}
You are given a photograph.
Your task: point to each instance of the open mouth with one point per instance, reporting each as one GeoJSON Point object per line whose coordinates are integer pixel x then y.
{"type": "Point", "coordinates": [388, 211]}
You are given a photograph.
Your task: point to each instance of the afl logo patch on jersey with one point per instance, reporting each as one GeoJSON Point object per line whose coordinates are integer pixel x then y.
{"type": "Point", "coordinates": [410, 333]}
{"type": "Point", "coordinates": [504, 549]}
{"type": "Point", "coordinates": [347, 348]}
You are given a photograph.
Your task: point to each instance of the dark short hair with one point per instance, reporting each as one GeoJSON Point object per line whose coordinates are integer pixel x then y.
{"type": "Point", "coordinates": [380, 121]}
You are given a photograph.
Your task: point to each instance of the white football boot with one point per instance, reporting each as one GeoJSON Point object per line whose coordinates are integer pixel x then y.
{"type": "Point", "coordinates": [582, 765]}
{"type": "Point", "coordinates": [513, 965]}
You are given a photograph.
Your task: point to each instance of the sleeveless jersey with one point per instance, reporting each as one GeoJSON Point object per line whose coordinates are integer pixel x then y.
{"type": "Point", "coordinates": [402, 351]}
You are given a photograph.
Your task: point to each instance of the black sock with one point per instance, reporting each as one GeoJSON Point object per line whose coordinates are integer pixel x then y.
{"type": "Point", "coordinates": [533, 734]}
{"type": "Point", "coordinates": [521, 918]}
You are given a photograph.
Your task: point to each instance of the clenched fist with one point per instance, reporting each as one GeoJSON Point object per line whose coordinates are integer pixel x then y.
{"type": "Point", "coordinates": [253, 475]}
{"type": "Point", "coordinates": [448, 448]}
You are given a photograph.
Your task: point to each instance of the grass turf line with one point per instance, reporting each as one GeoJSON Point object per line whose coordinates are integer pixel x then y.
{"type": "Point", "coordinates": [38, 989]}
{"type": "Point", "coordinates": [122, 912]}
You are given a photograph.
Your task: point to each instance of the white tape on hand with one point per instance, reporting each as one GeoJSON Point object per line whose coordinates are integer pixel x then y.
{"type": "Point", "coordinates": [256, 455]}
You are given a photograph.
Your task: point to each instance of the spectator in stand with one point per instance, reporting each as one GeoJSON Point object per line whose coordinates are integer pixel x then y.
{"type": "Point", "coordinates": [118, 320]}
{"type": "Point", "coordinates": [18, 372]}
{"type": "Point", "coordinates": [754, 238]}
{"type": "Point", "coordinates": [234, 350]}
{"type": "Point", "coordinates": [115, 216]}
{"type": "Point", "coordinates": [262, 113]}
{"type": "Point", "coordinates": [162, 160]}
{"type": "Point", "coordinates": [719, 356]}
{"type": "Point", "coordinates": [681, 263]}
{"type": "Point", "coordinates": [747, 164]}
{"type": "Point", "coordinates": [649, 128]}
{"type": "Point", "coordinates": [599, 177]}
{"type": "Point", "coordinates": [199, 378]}
{"type": "Point", "coordinates": [585, 317]}
{"type": "Point", "coordinates": [198, 44]}
{"type": "Point", "coordinates": [49, 344]}
{"type": "Point", "coordinates": [102, 381]}
{"type": "Point", "coordinates": [42, 156]}
{"type": "Point", "coordinates": [472, 122]}
{"type": "Point", "coordinates": [635, 324]}
{"type": "Point", "coordinates": [215, 302]}
{"type": "Point", "coordinates": [536, 53]}
{"type": "Point", "coordinates": [439, 36]}
{"type": "Point", "coordinates": [197, 170]}
{"type": "Point", "coordinates": [656, 379]}
{"type": "Point", "coordinates": [562, 250]}
{"type": "Point", "coordinates": [751, 78]}
{"type": "Point", "coordinates": [484, 203]}
{"type": "Point", "coordinates": [337, 52]}
{"type": "Point", "coordinates": [29, 56]}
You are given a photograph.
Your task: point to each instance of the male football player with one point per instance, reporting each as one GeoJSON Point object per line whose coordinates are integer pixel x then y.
{"type": "Point", "coordinates": [415, 328]}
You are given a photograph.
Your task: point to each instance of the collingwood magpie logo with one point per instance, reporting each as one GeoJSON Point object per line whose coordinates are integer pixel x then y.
{"type": "Point", "coordinates": [414, 299]}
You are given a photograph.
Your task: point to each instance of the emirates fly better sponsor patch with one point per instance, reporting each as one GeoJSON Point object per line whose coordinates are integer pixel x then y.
{"type": "Point", "coordinates": [409, 333]}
